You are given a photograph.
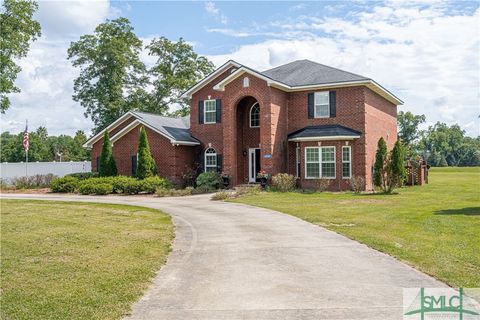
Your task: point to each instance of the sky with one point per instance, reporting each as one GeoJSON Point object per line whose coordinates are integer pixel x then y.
{"type": "Point", "coordinates": [426, 53]}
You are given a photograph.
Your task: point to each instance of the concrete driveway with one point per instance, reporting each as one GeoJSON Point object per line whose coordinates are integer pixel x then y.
{"type": "Point", "coordinates": [233, 261]}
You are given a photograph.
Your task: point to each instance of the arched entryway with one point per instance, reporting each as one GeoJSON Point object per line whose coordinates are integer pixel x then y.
{"type": "Point", "coordinates": [248, 139]}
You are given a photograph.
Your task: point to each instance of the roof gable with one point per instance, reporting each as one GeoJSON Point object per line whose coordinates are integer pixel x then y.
{"type": "Point", "coordinates": [177, 130]}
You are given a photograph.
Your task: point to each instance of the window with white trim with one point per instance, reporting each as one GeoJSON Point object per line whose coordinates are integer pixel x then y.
{"type": "Point", "coordinates": [322, 104]}
{"type": "Point", "coordinates": [210, 160]}
{"type": "Point", "coordinates": [320, 162]}
{"type": "Point", "coordinates": [255, 116]}
{"type": "Point", "coordinates": [210, 111]}
{"type": "Point", "coordinates": [346, 162]}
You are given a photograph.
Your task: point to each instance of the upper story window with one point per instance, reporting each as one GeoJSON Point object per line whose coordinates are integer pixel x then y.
{"type": "Point", "coordinates": [210, 160]}
{"type": "Point", "coordinates": [255, 116]}
{"type": "Point", "coordinates": [322, 104]}
{"type": "Point", "coordinates": [210, 111]}
{"type": "Point", "coordinates": [246, 82]}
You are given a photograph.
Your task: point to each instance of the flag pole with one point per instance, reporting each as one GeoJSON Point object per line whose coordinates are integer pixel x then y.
{"type": "Point", "coordinates": [26, 151]}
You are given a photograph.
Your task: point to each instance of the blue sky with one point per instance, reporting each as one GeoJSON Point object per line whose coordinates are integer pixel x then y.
{"type": "Point", "coordinates": [427, 53]}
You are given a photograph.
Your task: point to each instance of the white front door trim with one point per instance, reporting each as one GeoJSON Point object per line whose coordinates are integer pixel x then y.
{"type": "Point", "coordinates": [252, 167]}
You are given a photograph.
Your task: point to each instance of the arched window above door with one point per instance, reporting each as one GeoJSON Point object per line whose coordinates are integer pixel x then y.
{"type": "Point", "coordinates": [255, 115]}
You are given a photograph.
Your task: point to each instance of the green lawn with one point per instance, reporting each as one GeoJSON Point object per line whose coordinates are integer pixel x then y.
{"type": "Point", "coordinates": [435, 228]}
{"type": "Point", "coordinates": [77, 260]}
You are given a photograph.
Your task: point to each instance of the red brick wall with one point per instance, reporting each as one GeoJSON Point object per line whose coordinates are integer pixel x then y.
{"type": "Point", "coordinates": [380, 121]}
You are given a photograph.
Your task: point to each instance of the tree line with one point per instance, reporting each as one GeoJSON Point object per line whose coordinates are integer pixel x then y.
{"type": "Point", "coordinates": [440, 144]}
{"type": "Point", "coordinates": [44, 147]}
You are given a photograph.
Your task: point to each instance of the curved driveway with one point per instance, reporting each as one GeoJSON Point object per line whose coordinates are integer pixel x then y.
{"type": "Point", "coordinates": [233, 261]}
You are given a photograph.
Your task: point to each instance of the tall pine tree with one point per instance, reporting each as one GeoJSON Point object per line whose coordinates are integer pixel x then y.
{"type": "Point", "coordinates": [398, 171]}
{"type": "Point", "coordinates": [146, 164]}
{"type": "Point", "coordinates": [379, 166]}
{"type": "Point", "coordinates": [107, 165]}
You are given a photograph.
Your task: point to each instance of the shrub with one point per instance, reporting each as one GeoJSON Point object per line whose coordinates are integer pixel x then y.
{"type": "Point", "coordinates": [189, 175]}
{"type": "Point", "coordinates": [357, 183]}
{"type": "Point", "coordinates": [107, 162]}
{"type": "Point", "coordinates": [210, 180]}
{"type": "Point", "coordinates": [284, 182]}
{"type": "Point", "coordinates": [247, 190]}
{"type": "Point", "coordinates": [120, 184]}
{"type": "Point", "coordinates": [146, 164]}
{"type": "Point", "coordinates": [65, 184]}
{"type": "Point", "coordinates": [222, 195]}
{"type": "Point", "coordinates": [95, 188]}
{"type": "Point", "coordinates": [162, 192]}
{"type": "Point", "coordinates": [151, 184]}
{"type": "Point", "coordinates": [322, 184]}
{"type": "Point", "coordinates": [32, 182]}
{"type": "Point", "coordinates": [203, 189]}
{"type": "Point", "coordinates": [83, 175]}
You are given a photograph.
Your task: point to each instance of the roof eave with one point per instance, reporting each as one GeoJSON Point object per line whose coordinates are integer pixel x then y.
{"type": "Point", "coordinates": [323, 138]}
{"type": "Point", "coordinates": [90, 142]}
{"type": "Point", "coordinates": [188, 94]}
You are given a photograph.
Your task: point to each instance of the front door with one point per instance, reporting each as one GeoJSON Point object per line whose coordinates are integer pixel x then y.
{"type": "Point", "coordinates": [253, 164]}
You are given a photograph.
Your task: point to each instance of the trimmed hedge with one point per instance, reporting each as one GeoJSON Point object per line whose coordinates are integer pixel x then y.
{"type": "Point", "coordinates": [95, 188]}
{"type": "Point", "coordinates": [65, 184]}
{"type": "Point", "coordinates": [83, 175]}
{"type": "Point", "coordinates": [118, 184]}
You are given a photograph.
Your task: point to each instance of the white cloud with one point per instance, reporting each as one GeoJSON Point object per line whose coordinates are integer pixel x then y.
{"type": "Point", "coordinates": [71, 18]}
{"type": "Point", "coordinates": [47, 76]}
{"type": "Point", "coordinates": [212, 9]}
{"type": "Point", "coordinates": [427, 57]}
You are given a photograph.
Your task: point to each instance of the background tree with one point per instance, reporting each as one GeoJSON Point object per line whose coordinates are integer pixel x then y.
{"type": "Point", "coordinates": [107, 166]}
{"type": "Point", "coordinates": [177, 69]}
{"type": "Point", "coordinates": [17, 30]}
{"type": "Point", "coordinates": [44, 147]}
{"type": "Point", "coordinates": [146, 164]}
{"type": "Point", "coordinates": [111, 73]}
{"type": "Point", "coordinates": [408, 124]}
{"type": "Point", "coordinates": [379, 168]}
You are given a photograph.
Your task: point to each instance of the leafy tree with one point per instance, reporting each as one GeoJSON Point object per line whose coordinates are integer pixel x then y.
{"type": "Point", "coordinates": [17, 30]}
{"type": "Point", "coordinates": [447, 145]}
{"type": "Point", "coordinates": [379, 167]}
{"type": "Point", "coordinates": [107, 162]}
{"type": "Point", "coordinates": [111, 73]}
{"type": "Point", "coordinates": [408, 124]}
{"type": "Point", "coordinates": [146, 164]}
{"type": "Point", "coordinates": [177, 69]}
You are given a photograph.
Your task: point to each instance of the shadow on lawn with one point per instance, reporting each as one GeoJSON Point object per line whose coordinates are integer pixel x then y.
{"type": "Point", "coordinates": [472, 211]}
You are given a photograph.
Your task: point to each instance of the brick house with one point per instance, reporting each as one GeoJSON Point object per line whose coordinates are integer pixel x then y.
{"type": "Point", "coordinates": [303, 118]}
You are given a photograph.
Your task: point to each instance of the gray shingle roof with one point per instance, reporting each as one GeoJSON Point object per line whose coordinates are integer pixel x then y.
{"type": "Point", "coordinates": [306, 72]}
{"type": "Point", "coordinates": [324, 131]}
{"type": "Point", "coordinates": [177, 129]}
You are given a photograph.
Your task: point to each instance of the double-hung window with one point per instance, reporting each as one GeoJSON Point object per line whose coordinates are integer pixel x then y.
{"type": "Point", "coordinates": [210, 111]}
{"type": "Point", "coordinates": [320, 162]}
{"type": "Point", "coordinates": [322, 104]}
{"type": "Point", "coordinates": [210, 160]}
{"type": "Point", "coordinates": [346, 162]}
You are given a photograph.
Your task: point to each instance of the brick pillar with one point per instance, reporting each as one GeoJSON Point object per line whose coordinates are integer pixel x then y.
{"type": "Point", "coordinates": [230, 140]}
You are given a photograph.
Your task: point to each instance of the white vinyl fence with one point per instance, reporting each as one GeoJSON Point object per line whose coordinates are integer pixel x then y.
{"type": "Point", "coordinates": [18, 169]}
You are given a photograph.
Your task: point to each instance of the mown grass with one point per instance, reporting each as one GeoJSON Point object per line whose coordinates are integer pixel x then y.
{"type": "Point", "coordinates": [435, 227]}
{"type": "Point", "coordinates": [77, 260]}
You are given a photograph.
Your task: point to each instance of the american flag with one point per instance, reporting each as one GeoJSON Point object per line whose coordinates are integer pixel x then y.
{"type": "Point", "coordinates": [26, 143]}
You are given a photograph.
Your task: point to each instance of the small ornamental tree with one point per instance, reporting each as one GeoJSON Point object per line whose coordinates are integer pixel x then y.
{"type": "Point", "coordinates": [146, 164]}
{"type": "Point", "coordinates": [379, 168]}
{"type": "Point", "coordinates": [398, 171]}
{"type": "Point", "coordinates": [107, 166]}
{"type": "Point", "coordinates": [389, 168]}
